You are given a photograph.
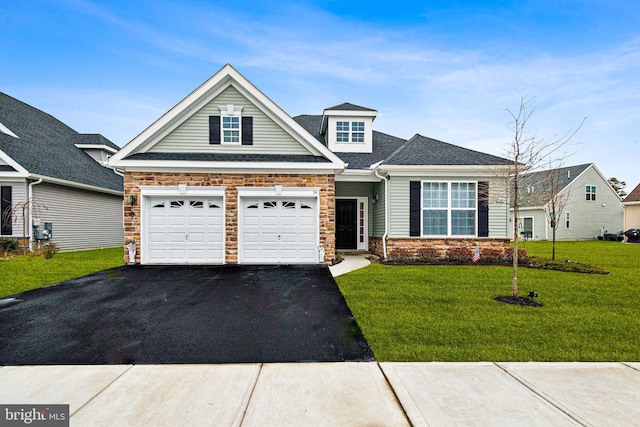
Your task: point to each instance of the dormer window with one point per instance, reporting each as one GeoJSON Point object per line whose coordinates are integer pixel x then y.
{"type": "Point", "coordinates": [348, 128]}
{"type": "Point", "coordinates": [349, 131]}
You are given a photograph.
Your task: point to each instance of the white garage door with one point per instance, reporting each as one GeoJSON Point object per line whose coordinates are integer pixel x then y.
{"type": "Point", "coordinates": [184, 230]}
{"type": "Point", "coordinates": [279, 231]}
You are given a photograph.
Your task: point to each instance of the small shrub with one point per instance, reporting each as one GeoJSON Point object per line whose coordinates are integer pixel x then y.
{"type": "Point", "coordinates": [49, 250]}
{"type": "Point", "coordinates": [523, 258]}
{"type": "Point", "coordinates": [402, 255]}
{"type": "Point", "coordinates": [429, 255]}
{"type": "Point", "coordinates": [460, 254]}
{"type": "Point", "coordinates": [491, 256]}
{"type": "Point", "coordinates": [8, 245]}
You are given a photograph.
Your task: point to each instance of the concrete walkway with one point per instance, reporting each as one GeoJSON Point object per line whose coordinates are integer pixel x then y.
{"type": "Point", "coordinates": [334, 394]}
{"type": "Point", "coordinates": [349, 263]}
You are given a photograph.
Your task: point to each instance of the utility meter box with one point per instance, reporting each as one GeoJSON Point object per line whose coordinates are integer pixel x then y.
{"type": "Point", "coordinates": [43, 231]}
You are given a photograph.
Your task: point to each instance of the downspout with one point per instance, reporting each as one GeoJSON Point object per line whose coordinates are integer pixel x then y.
{"type": "Point", "coordinates": [30, 201]}
{"type": "Point", "coordinates": [386, 212]}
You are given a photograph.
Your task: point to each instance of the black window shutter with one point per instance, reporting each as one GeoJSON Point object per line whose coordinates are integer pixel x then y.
{"type": "Point", "coordinates": [414, 208]}
{"type": "Point", "coordinates": [483, 209]}
{"type": "Point", "coordinates": [247, 130]}
{"type": "Point", "coordinates": [6, 214]}
{"type": "Point", "coordinates": [214, 129]}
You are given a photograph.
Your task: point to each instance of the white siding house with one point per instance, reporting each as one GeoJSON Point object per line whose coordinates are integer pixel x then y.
{"type": "Point", "coordinates": [591, 210]}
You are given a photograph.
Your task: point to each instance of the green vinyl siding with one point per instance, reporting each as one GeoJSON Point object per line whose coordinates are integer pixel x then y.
{"type": "Point", "coordinates": [193, 134]}
{"type": "Point", "coordinates": [377, 216]}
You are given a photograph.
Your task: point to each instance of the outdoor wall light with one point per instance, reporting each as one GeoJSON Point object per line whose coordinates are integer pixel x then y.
{"type": "Point", "coordinates": [132, 200]}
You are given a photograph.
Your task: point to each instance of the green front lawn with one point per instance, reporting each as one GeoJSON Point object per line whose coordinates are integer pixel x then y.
{"type": "Point", "coordinates": [448, 313]}
{"type": "Point", "coordinates": [26, 272]}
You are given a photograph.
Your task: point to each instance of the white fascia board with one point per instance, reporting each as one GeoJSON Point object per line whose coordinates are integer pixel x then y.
{"type": "Point", "coordinates": [177, 190]}
{"type": "Point", "coordinates": [97, 146]}
{"type": "Point", "coordinates": [227, 167]}
{"type": "Point", "coordinates": [278, 191]}
{"type": "Point", "coordinates": [20, 171]}
{"type": "Point", "coordinates": [357, 175]}
{"type": "Point", "coordinates": [488, 171]}
{"type": "Point", "coordinates": [630, 203]}
{"type": "Point", "coordinates": [204, 94]}
{"type": "Point", "coordinates": [74, 184]}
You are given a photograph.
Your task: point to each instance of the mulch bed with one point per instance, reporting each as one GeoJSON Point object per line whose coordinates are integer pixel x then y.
{"type": "Point", "coordinates": [519, 301]}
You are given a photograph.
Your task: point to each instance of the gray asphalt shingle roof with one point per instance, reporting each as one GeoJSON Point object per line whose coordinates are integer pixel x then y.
{"type": "Point", "coordinates": [421, 150]}
{"type": "Point", "coordinates": [347, 106]}
{"type": "Point", "coordinates": [45, 146]}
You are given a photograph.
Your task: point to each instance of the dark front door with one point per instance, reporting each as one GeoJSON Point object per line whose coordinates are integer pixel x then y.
{"type": "Point", "coordinates": [346, 214]}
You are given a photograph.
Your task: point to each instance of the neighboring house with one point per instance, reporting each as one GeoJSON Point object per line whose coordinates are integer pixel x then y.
{"type": "Point", "coordinates": [591, 208]}
{"type": "Point", "coordinates": [631, 206]}
{"type": "Point", "coordinates": [226, 176]}
{"type": "Point", "coordinates": [51, 174]}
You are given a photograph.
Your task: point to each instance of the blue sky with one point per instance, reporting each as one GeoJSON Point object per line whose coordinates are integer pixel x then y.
{"type": "Point", "coordinates": [444, 69]}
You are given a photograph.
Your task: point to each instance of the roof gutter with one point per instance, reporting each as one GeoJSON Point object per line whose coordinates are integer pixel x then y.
{"type": "Point", "coordinates": [30, 201]}
{"type": "Point", "coordinates": [376, 169]}
{"type": "Point", "coordinates": [76, 184]}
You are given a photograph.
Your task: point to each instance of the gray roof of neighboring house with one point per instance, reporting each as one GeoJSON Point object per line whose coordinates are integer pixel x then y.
{"type": "Point", "coordinates": [45, 146]}
{"type": "Point", "coordinates": [227, 157]}
{"type": "Point", "coordinates": [346, 106]}
{"type": "Point", "coordinates": [536, 185]}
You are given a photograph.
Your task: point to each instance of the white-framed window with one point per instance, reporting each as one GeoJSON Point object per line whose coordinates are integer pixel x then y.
{"type": "Point", "coordinates": [567, 220]}
{"type": "Point", "coordinates": [349, 131]}
{"type": "Point", "coordinates": [357, 131]}
{"type": "Point", "coordinates": [449, 208]}
{"type": "Point", "coordinates": [342, 131]}
{"type": "Point", "coordinates": [230, 129]}
{"type": "Point", "coordinates": [590, 193]}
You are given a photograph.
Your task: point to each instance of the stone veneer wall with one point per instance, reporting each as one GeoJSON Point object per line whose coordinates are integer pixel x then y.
{"type": "Point", "coordinates": [414, 243]}
{"type": "Point", "coordinates": [326, 183]}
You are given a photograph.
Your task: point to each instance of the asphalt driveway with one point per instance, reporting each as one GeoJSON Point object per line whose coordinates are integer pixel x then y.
{"type": "Point", "coordinates": [180, 314]}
